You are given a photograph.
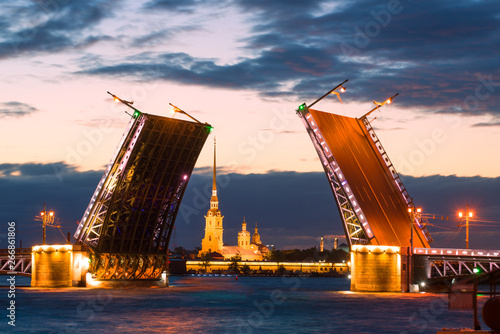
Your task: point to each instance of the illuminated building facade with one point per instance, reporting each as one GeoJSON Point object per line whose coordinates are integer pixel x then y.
{"type": "Point", "coordinates": [212, 242]}
{"type": "Point", "coordinates": [247, 250]}
{"type": "Point", "coordinates": [244, 236]}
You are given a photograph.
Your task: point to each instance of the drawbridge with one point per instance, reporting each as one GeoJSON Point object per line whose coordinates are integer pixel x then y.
{"type": "Point", "coordinates": [372, 201]}
{"type": "Point", "coordinates": [130, 218]}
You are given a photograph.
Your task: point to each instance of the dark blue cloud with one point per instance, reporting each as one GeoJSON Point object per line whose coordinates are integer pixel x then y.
{"type": "Point", "coordinates": [274, 68]}
{"type": "Point", "coordinates": [172, 5]}
{"type": "Point", "coordinates": [50, 26]}
{"type": "Point", "coordinates": [291, 209]}
{"type": "Point", "coordinates": [186, 6]}
{"type": "Point", "coordinates": [442, 58]}
{"type": "Point", "coordinates": [16, 109]}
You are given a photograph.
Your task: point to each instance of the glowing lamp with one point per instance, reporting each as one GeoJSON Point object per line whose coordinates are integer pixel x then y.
{"type": "Point", "coordinates": [389, 101]}
{"type": "Point", "coordinates": [185, 177]}
{"type": "Point", "coordinates": [302, 106]}
{"type": "Point", "coordinates": [460, 214]}
{"type": "Point", "coordinates": [409, 210]}
{"type": "Point", "coordinates": [342, 89]}
{"type": "Point", "coordinates": [51, 213]}
{"type": "Point", "coordinates": [116, 99]}
{"type": "Point", "coordinates": [470, 214]}
{"type": "Point", "coordinates": [419, 210]}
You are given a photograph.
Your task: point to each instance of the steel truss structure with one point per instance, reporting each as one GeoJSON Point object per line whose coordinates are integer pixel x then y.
{"type": "Point", "coordinates": [20, 265]}
{"type": "Point", "coordinates": [356, 226]}
{"type": "Point", "coordinates": [445, 262]}
{"type": "Point", "coordinates": [382, 154]}
{"type": "Point", "coordinates": [129, 220]}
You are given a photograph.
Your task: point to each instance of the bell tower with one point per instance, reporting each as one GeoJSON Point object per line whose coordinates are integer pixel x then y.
{"type": "Point", "coordinates": [212, 242]}
{"type": "Point", "coordinates": [244, 236]}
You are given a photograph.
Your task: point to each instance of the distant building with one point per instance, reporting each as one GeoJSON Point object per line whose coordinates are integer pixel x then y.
{"type": "Point", "coordinates": [244, 236]}
{"type": "Point", "coordinates": [212, 242]}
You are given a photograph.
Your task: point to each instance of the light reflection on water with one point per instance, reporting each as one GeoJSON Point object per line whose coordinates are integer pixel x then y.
{"type": "Point", "coordinates": [227, 305]}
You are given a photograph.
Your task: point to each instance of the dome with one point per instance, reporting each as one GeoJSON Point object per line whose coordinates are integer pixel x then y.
{"type": "Point", "coordinates": [213, 212]}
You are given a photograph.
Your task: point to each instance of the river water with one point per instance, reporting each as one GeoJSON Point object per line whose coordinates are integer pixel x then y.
{"type": "Point", "coordinates": [226, 305]}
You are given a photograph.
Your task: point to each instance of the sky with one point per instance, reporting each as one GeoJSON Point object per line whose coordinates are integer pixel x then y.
{"type": "Point", "coordinates": [244, 67]}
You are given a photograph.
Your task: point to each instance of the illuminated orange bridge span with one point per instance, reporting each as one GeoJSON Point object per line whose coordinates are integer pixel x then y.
{"type": "Point", "coordinates": [372, 200]}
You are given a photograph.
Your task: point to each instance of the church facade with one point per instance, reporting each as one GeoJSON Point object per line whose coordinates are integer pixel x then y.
{"type": "Point", "coordinates": [248, 249]}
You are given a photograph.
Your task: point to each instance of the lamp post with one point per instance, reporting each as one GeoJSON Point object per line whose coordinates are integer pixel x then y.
{"type": "Point", "coordinates": [380, 104]}
{"type": "Point", "coordinates": [176, 109]}
{"type": "Point", "coordinates": [414, 212]}
{"type": "Point", "coordinates": [47, 218]}
{"type": "Point", "coordinates": [331, 91]}
{"type": "Point", "coordinates": [468, 214]}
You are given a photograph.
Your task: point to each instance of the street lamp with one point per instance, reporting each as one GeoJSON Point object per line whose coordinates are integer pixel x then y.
{"type": "Point", "coordinates": [414, 212]}
{"type": "Point", "coordinates": [468, 214]}
{"type": "Point", "coordinates": [380, 104]}
{"type": "Point", "coordinates": [180, 111]}
{"type": "Point", "coordinates": [47, 219]}
{"type": "Point", "coordinates": [137, 112]}
{"type": "Point", "coordinates": [331, 91]}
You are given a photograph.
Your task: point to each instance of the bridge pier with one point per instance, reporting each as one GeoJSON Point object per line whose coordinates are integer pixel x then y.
{"type": "Point", "coordinates": [55, 266]}
{"type": "Point", "coordinates": [379, 268]}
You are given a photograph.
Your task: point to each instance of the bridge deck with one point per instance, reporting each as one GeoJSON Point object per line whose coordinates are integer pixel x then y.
{"type": "Point", "coordinates": [371, 183]}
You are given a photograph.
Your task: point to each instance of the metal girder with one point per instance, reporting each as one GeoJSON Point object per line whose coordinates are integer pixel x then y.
{"type": "Point", "coordinates": [450, 267]}
{"type": "Point", "coordinates": [395, 175]}
{"type": "Point", "coordinates": [356, 226]}
{"type": "Point", "coordinates": [451, 262]}
{"type": "Point", "coordinates": [20, 264]}
{"type": "Point", "coordinates": [135, 204]}
{"type": "Point", "coordinates": [105, 266]}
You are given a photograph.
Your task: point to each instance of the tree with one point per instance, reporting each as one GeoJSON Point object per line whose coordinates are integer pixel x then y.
{"type": "Point", "coordinates": [205, 260]}
{"type": "Point", "coordinates": [179, 250]}
{"type": "Point", "coordinates": [234, 265]}
{"type": "Point", "coordinates": [281, 270]}
{"type": "Point", "coordinates": [246, 269]}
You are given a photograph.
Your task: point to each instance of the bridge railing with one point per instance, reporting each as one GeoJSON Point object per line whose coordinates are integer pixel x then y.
{"type": "Point", "coordinates": [453, 262]}
{"type": "Point", "coordinates": [457, 252]}
{"type": "Point", "coordinates": [19, 251]}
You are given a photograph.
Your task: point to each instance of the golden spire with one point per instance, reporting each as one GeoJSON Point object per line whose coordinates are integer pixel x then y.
{"type": "Point", "coordinates": [214, 185]}
{"type": "Point", "coordinates": [214, 201]}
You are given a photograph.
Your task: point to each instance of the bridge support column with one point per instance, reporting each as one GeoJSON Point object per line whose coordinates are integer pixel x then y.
{"type": "Point", "coordinates": [377, 269]}
{"type": "Point", "coordinates": [54, 266]}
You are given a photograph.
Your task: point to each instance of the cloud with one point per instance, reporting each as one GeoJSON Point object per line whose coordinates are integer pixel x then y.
{"type": "Point", "coordinates": [172, 5]}
{"type": "Point", "coordinates": [186, 6]}
{"type": "Point", "coordinates": [291, 209]}
{"type": "Point", "coordinates": [443, 63]}
{"type": "Point", "coordinates": [16, 109]}
{"type": "Point", "coordinates": [269, 71]}
{"type": "Point", "coordinates": [486, 124]}
{"type": "Point", "coordinates": [49, 26]}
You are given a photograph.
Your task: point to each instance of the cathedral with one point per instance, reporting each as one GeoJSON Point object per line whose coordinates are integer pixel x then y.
{"type": "Point", "coordinates": [248, 249]}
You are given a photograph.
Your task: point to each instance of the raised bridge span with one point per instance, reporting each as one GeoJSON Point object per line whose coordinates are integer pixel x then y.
{"type": "Point", "coordinates": [373, 203]}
